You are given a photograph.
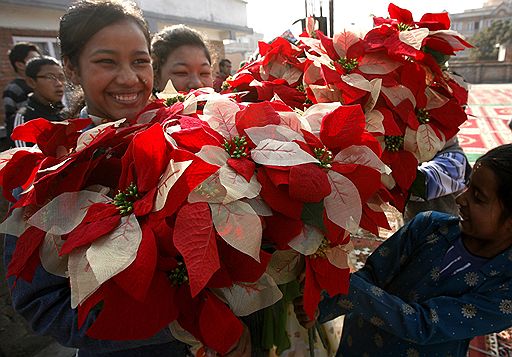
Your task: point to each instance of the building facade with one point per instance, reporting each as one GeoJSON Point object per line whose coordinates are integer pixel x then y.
{"type": "Point", "coordinates": [470, 22]}
{"type": "Point", "coordinates": [37, 21]}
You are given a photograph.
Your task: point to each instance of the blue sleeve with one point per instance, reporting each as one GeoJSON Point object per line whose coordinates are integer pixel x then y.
{"type": "Point", "coordinates": [434, 320]}
{"type": "Point", "coordinates": [46, 305]}
{"type": "Point", "coordinates": [444, 174]}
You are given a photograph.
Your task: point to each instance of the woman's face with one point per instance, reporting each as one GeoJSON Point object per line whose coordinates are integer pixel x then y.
{"type": "Point", "coordinates": [114, 70]}
{"type": "Point", "coordinates": [188, 68]}
{"type": "Point", "coordinates": [481, 212]}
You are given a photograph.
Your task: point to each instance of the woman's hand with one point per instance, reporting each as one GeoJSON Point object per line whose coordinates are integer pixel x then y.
{"type": "Point", "coordinates": [302, 316]}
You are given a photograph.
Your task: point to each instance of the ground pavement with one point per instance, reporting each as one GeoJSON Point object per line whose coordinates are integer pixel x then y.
{"type": "Point", "coordinates": [490, 108]}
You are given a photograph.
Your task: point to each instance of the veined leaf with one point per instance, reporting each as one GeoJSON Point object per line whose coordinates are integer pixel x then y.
{"type": "Point", "coordinates": [87, 136]}
{"type": "Point", "coordinates": [414, 38]}
{"type": "Point", "coordinates": [375, 63]}
{"type": "Point", "coordinates": [338, 256]}
{"type": "Point", "coordinates": [115, 251]}
{"type": "Point", "coordinates": [65, 212]}
{"type": "Point", "coordinates": [213, 155]}
{"type": "Point", "coordinates": [237, 186]}
{"type": "Point", "coordinates": [308, 241]}
{"type": "Point", "coordinates": [358, 81]}
{"type": "Point", "coordinates": [49, 255]}
{"type": "Point", "coordinates": [210, 190]}
{"type": "Point", "coordinates": [170, 176]}
{"type": "Point", "coordinates": [343, 205]}
{"type": "Point", "coordinates": [398, 94]}
{"type": "Point", "coordinates": [82, 280]}
{"type": "Point", "coordinates": [428, 142]}
{"type": "Point", "coordinates": [246, 298]}
{"type": "Point", "coordinates": [375, 122]}
{"type": "Point", "coordinates": [342, 41]}
{"type": "Point", "coordinates": [361, 155]}
{"type": "Point", "coordinates": [285, 266]}
{"type": "Point", "coordinates": [239, 226]}
{"type": "Point", "coordinates": [274, 132]}
{"type": "Point", "coordinates": [220, 114]}
{"type": "Point", "coordinates": [278, 153]}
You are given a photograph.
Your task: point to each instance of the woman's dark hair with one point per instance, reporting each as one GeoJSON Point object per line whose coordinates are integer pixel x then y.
{"type": "Point", "coordinates": [169, 39]}
{"type": "Point", "coordinates": [20, 51]}
{"type": "Point", "coordinates": [86, 17]}
{"type": "Point", "coordinates": [499, 160]}
{"type": "Point", "coordinates": [34, 65]}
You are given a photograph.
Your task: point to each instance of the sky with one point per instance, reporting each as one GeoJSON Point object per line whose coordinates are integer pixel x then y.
{"type": "Point", "coordinates": [273, 17]}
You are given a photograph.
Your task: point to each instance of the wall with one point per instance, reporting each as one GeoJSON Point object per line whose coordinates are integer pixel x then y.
{"type": "Point", "coordinates": [483, 72]}
{"type": "Point", "coordinates": [231, 12]}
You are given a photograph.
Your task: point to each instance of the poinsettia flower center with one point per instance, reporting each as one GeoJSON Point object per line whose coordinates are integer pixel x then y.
{"type": "Point", "coordinates": [324, 156]}
{"type": "Point", "coordinates": [403, 27]}
{"type": "Point", "coordinates": [348, 64]}
{"type": "Point", "coordinates": [124, 200]}
{"type": "Point", "coordinates": [236, 147]}
{"type": "Point", "coordinates": [321, 252]}
{"type": "Point", "coordinates": [225, 84]}
{"type": "Point", "coordinates": [394, 142]}
{"type": "Point", "coordinates": [175, 99]}
{"type": "Point", "coordinates": [423, 116]}
{"type": "Point", "coordinates": [179, 275]}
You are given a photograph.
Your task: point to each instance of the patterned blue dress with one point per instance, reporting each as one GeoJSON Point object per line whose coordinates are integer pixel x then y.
{"type": "Point", "coordinates": [398, 305]}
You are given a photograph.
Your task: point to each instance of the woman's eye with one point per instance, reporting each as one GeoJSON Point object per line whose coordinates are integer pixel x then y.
{"type": "Point", "coordinates": [105, 61]}
{"type": "Point", "coordinates": [206, 74]}
{"type": "Point", "coordinates": [142, 61]}
{"type": "Point", "coordinates": [180, 74]}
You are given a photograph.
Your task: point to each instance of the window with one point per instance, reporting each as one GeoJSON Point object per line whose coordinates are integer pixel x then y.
{"type": "Point", "coordinates": [48, 45]}
{"type": "Point", "coordinates": [477, 25]}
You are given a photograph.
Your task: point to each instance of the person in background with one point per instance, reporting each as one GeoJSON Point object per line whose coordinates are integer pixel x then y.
{"type": "Point", "coordinates": [105, 48]}
{"type": "Point", "coordinates": [437, 282]}
{"type": "Point", "coordinates": [224, 73]}
{"type": "Point", "coordinates": [440, 181]}
{"type": "Point", "coordinates": [16, 92]}
{"type": "Point", "coordinates": [46, 78]}
{"type": "Point", "coordinates": [180, 54]}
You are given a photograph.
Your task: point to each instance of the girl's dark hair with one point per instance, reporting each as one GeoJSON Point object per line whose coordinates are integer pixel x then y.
{"type": "Point", "coordinates": [499, 160]}
{"type": "Point", "coordinates": [82, 21]}
{"type": "Point", "coordinates": [34, 65]}
{"type": "Point", "coordinates": [169, 39]}
{"type": "Point", "coordinates": [86, 17]}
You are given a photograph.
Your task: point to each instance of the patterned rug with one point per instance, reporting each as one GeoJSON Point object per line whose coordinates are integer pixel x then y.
{"type": "Point", "coordinates": [489, 111]}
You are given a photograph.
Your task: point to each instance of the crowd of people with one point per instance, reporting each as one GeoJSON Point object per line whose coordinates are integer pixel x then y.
{"type": "Point", "coordinates": [439, 281]}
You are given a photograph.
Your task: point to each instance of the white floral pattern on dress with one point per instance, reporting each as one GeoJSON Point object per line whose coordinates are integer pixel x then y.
{"type": "Point", "coordinates": [377, 291]}
{"type": "Point", "coordinates": [407, 309]}
{"type": "Point", "coordinates": [377, 321]}
{"type": "Point", "coordinates": [411, 352]}
{"type": "Point", "coordinates": [506, 306]}
{"type": "Point", "coordinates": [434, 317]}
{"type": "Point", "coordinates": [434, 273]}
{"type": "Point", "coordinates": [471, 278]}
{"type": "Point", "coordinates": [468, 311]}
{"type": "Point", "coordinates": [346, 304]}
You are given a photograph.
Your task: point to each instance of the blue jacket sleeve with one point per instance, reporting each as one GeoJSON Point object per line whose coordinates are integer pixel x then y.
{"type": "Point", "coordinates": [46, 304]}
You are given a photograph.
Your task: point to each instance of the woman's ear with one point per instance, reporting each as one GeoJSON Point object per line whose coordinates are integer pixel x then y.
{"type": "Point", "coordinates": [71, 71]}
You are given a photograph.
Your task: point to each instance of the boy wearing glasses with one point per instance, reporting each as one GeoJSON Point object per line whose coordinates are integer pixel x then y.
{"type": "Point", "coordinates": [16, 92]}
{"type": "Point", "coordinates": [46, 78]}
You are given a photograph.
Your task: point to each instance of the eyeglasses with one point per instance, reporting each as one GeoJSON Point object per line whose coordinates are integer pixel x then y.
{"type": "Point", "coordinates": [53, 78]}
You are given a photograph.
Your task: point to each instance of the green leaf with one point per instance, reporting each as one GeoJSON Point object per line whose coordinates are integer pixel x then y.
{"type": "Point", "coordinates": [312, 214]}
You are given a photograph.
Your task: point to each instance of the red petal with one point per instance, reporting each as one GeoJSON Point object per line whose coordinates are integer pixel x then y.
{"type": "Point", "coordinates": [436, 21]}
{"type": "Point", "coordinates": [219, 327]}
{"type": "Point", "coordinates": [256, 114]}
{"type": "Point", "coordinates": [19, 172]}
{"type": "Point", "coordinates": [124, 318]}
{"type": "Point", "coordinates": [25, 258]}
{"type": "Point", "coordinates": [402, 15]}
{"type": "Point", "coordinates": [136, 279]}
{"type": "Point", "coordinates": [280, 230]}
{"type": "Point", "coordinates": [195, 238]}
{"type": "Point", "coordinates": [312, 291]}
{"type": "Point", "coordinates": [243, 166]}
{"type": "Point", "coordinates": [329, 277]}
{"type": "Point", "coordinates": [343, 127]}
{"type": "Point", "coordinates": [278, 199]}
{"type": "Point", "coordinates": [88, 232]}
{"type": "Point", "coordinates": [149, 156]}
{"type": "Point", "coordinates": [308, 183]}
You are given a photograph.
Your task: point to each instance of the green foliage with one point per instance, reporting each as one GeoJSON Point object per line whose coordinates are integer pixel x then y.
{"type": "Point", "coordinates": [485, 41]}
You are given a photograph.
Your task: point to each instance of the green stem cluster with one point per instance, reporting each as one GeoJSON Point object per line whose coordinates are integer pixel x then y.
{"type": "Point", "coordinates": [423, 116]}
{"type": "Point", "coordinates": [124, 200]}
{"type": "Point", "coordinates": [324, 156]}
{"type": "Point", "coordinates": [175, 99]}
{"type": "Point", "coordinates": [348, 64]}
{"type": "Point", "coordinates": [394, 143]}
{"type": "Point", "coordinates": [403, 27]}
{"type": "Point", "coordinates": [237, 147]}
{"type": "Point", "coordinates": [179, 275]}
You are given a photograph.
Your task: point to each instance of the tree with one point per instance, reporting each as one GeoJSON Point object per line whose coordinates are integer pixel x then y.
{"type": "Point", "coordinates": [500, 32]}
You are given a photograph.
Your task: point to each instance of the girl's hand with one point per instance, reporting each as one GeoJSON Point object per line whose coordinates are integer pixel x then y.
{"type": "Point", "coordinates": [302, 316]}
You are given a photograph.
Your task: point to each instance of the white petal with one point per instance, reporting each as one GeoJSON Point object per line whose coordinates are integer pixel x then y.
{"type": "Point", "coordinates": [220, 114]}
{"type": "Point", "coordinates": [274, 132]}
{"type": "Point", "coordinates": [285, 266]}
{"type": "Point", "coordinates": [278, 153]}
{"type": "Point", "coordinates": [343, 205]}
{"type": "Point", "coordinates": [171, 175]}
{"type": "Point", "coordinates": [308, 241]}
{"type": "Point", "coordinates": [49, 255]}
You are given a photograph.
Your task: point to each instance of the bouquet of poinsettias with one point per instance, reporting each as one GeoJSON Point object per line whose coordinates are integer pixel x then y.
{"type": "Point", "coordinates": [195, 212]}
